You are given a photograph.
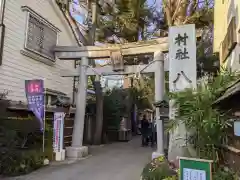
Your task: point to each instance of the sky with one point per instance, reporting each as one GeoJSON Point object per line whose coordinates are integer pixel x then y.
{"type": "Point", "coordinates": [80, 18]}
{"type": "Point", "coordinates": [151, 3]}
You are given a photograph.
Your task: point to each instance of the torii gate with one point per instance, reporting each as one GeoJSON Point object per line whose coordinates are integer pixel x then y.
{"type": "Point", "coordinates": [156, 46]}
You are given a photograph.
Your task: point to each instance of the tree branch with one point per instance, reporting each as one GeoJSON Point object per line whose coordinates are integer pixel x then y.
{"type": "Point", "coordinates": [176, 10]}
{"type": "Point", "coordinates": [168, 13]}
{"type": "Point", "coordinates": [182, 12]}
{"type": "Point", "coordinates": [193, 7]}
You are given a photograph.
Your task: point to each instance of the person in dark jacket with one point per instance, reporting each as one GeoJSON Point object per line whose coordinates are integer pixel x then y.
{"type": "Point", "coordinates": [144, 131]}
{"type": "Point", "coordinates": [154, 133]}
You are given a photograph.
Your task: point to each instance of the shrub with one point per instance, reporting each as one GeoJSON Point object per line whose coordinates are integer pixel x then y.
{"type": "Point", "coordinates": [158, 169]}
{"type": "Point", "coordinates": [225, 174]}
{"type": "Point", "coordinates": [206, 124]}
{"type": "Point", "coordinates": [20, 146]}
{"type": "Point", "coordinates": [15, 162]}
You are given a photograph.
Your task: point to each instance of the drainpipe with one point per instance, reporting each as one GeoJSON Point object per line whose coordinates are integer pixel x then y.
{"type": "Point", "coordinates": [2, 28]}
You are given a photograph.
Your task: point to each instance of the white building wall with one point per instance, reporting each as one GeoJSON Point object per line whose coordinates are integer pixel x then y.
{"type": "Point", "coordinates": [16, 67]}
{"type": "Point", "coordinates": [233, 10]}
{"type": "Point", "coordinates": [233, 61]}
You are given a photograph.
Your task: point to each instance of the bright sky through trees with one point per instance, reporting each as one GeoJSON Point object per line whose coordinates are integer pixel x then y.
{"type": "Point", "coordinates": [80, 15]}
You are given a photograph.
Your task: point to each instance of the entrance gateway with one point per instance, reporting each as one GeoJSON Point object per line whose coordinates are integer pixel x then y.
{"type": "Point", "coordinates": [86, 53]}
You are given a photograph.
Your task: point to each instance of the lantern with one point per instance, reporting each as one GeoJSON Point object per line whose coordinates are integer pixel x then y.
{"type": "Point", "coordinates": [163, 108]}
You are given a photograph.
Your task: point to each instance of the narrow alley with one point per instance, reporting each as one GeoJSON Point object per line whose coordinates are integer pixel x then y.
{"type": "Point", "coordinates": [118, 161]}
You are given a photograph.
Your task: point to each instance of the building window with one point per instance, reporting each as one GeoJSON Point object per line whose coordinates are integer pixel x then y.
{"type": "Point", "coordinates": [230, 40]}
{"type": "Point", "coordinates": [41, 35]}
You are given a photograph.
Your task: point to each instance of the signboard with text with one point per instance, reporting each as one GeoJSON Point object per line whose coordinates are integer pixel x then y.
{"type": "Point", "coordinates": [35, 97]}
{"type": "Point", "coordinates": [195, 169]}
{"type": "Point", "coordinates": [58, 131]}
{"type": "Point", "coordinates": [182, 57]}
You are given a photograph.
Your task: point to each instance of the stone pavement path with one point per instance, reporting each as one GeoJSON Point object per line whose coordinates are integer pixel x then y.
{"type": "Point", "coordinates": [118, 161]}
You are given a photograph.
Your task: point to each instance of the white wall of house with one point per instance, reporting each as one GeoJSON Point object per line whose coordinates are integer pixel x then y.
{"type": "Point", "coordinates": [233, 61]}
{"type": "Point", "coordinates": [17, 67]}
{"type": "Point", "coordinates": [233, 10]}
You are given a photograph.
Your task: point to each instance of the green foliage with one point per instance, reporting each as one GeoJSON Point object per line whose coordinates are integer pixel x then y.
{"type": "Point", "coordinates": [125, 20]}
{"type": "Point", "coordinates": [222, 174]}
{"type": "Point", "coordinates": [15, 162]}
{"type": "Point", "coordinates": [21, 154]}
{"type": "Point", "coordinates": [207, 65]}
{"type": "Point", "coordinates": [115, 107]}
{"type": "Point", "coordinates": [48, 153]}
{"type": "Point", "coordinates": [21, 146]}
{"type": "Point", "coordinates": [159, 168]}
{"type": "Point", "coordinates": [143, 91]}
{"type": "Point", "coordinates": [206, 125]}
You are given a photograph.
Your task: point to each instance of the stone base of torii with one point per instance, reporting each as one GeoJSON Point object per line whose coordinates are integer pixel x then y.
{"type": "Point", "coordinates": [157, 47]}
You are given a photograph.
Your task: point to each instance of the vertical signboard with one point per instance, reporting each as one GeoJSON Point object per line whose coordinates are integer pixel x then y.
{"type": "Point", "coordinates": [195, 169]}
{"type": "Point", "coordinates": [182, 74]}
{"type": "Point", "coordinates": [58, 131]}
{"type": "Point", "coordinates": [182, 57]}
{"type": "Point", "coordinates": [35, 97]}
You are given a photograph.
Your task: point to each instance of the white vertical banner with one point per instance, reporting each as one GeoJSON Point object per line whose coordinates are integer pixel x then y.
{"type": "Point", "coordinates": [58, 131]}
{"type": "Point", "coordinates": [182, 57]}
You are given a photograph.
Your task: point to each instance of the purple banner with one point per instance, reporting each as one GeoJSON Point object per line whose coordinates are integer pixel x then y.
{"type": "Point", "coordinates": [35, 97]}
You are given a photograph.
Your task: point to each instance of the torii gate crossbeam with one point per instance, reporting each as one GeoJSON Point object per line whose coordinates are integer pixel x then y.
{"type": "Point", "coordinates": [108, 70]}
{"type": "Point", "coordinates": [156, 46]}
{"type": "Point", "coordinates": [98, 52]}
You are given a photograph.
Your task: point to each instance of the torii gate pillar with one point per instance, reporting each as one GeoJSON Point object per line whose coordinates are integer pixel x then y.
{"type": "Point", "coordinates": [76, 150]}
{"type": "Point", "coordinates": [159, 93]}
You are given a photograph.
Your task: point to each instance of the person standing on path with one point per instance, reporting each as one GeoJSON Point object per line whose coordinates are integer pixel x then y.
{"type": "Point", "coordinates": [153, 133]}
{"type": "Point", "coordinates": [144, 131]}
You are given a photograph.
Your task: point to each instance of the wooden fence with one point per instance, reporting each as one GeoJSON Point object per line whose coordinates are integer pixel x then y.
{"type": "Point", "coordinates": [20, 112]}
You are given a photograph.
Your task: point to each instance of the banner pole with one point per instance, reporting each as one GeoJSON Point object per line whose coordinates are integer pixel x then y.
{"type": "Point", "coordinates": [44, 115]}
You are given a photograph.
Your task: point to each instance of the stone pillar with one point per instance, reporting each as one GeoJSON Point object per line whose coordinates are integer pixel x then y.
{"type": "Point", "coordinates": [159, 93]}
{"type": "Point", "coordinates": [77, 150]}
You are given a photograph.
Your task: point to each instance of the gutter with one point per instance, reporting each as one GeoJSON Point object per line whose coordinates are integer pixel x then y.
{"type": "Point", "coordinates": [2, 29]}
{"type": "Point", "coordinates": [69, 23]}
{"type": "Point", "coordinates": [78, 36]}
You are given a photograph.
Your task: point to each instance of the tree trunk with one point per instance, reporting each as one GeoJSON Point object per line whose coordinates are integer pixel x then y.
{"type": "Point", "coordinates": [97, 139]}
{"type": "Point", "coordinates": [96, 83]}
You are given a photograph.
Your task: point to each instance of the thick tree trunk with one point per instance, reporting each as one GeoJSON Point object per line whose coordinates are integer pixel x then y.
{"type": "Point", "coordinates": [97, 139]}
{"type": "Point", "coordinates": [99, 114]}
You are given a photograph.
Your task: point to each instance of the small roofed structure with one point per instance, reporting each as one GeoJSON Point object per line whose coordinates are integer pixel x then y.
{"type": "Point", "coordinates": [65, 102]}
{"type": "Point", "coordinates": [229, 94]}
{"type": "Point", "coordinates": [228, 102]}
{"type": "Point", "coordinates": [164, 106]}
{"type": "Point", "coordinates": [61, 101]}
